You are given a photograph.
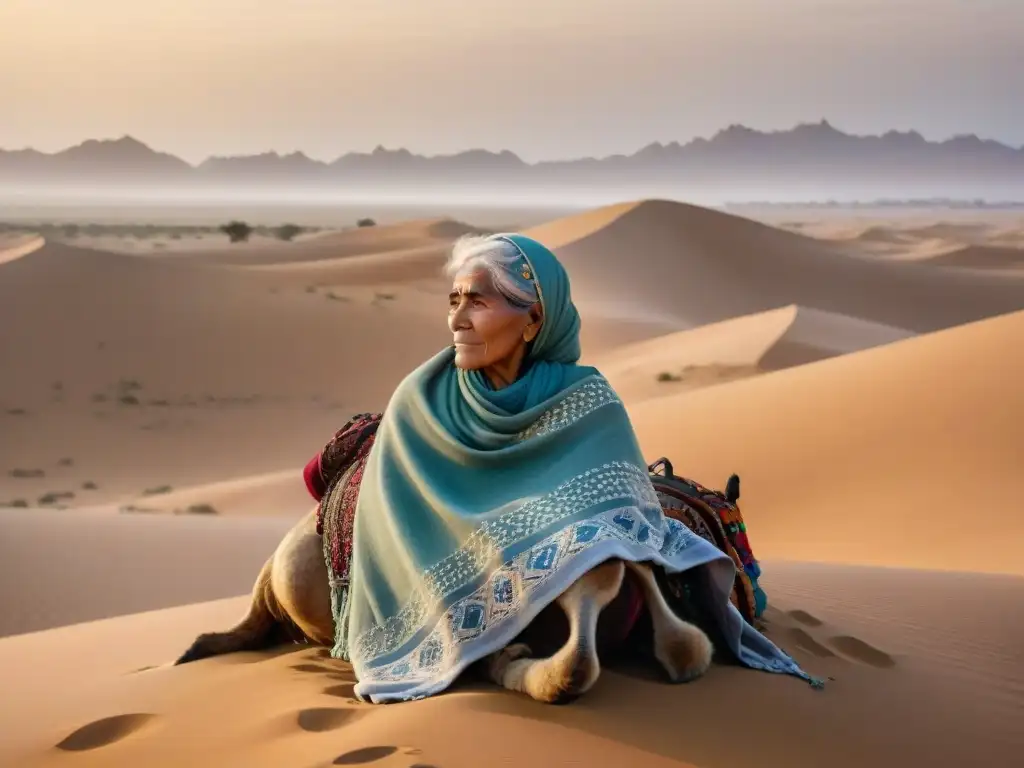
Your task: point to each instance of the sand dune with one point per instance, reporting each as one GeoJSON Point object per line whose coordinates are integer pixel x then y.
{"type": "Point", "coordinates": [132, 372]}
{"type": "Point", "coordinates": [175, 373]}
{"type": "Point", "coordinates": [981, 256]}
{"type": "Point", "coordinates": [14, 247]}
{"type": "Point", "coordinates": [737, 348]}
{"type": "Point", "coordinates": [890, 456]}
{"type": "Point", "coordinates": [977, 240]}
{"type": "Point", "coordinates": [677, 262]}
{"type": "Point", "coordinates": [136, 387]}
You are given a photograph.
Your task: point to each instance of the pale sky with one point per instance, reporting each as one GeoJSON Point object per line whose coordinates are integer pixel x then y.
{"type": "Point", "coordinates": [544, 78]}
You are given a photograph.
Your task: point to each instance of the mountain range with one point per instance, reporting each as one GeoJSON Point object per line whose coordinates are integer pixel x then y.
{"type": "Point", "coordinates": [810, 161]}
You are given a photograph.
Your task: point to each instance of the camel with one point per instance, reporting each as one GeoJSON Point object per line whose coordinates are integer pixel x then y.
{"type": "Point", "coordinates": [291, 602]}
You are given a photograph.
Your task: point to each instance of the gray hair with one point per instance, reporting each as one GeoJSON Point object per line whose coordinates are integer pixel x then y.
{"type": "Point", "coordinates": [502, 260]}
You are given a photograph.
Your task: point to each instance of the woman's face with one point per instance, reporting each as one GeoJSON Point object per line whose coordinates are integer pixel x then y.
{"type": "Point", "coordinates": [488, 332]}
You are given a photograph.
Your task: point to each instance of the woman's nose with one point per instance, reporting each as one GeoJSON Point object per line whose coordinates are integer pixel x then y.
{"type": "Point", "coordinates": [459, 319]}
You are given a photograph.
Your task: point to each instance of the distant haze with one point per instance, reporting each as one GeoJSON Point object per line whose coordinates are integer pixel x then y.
{"type": "Point", "coordinates": [544, 79]}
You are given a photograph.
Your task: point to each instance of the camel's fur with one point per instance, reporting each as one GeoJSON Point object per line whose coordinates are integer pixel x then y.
{"type": "Point", "coordinates": [291, 600]}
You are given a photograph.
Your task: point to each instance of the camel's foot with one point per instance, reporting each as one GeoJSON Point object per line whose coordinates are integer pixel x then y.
{"type": "Point", "coordinates": [684, 652]}
{"type": "Point", "coordinates": [219, 643]}
{"type": "Point", "coordinates": [574, 669]}
{"type": "Point", "coordinates": [498, 663]}
{"type": "Point", "coordinates": [682, 649]}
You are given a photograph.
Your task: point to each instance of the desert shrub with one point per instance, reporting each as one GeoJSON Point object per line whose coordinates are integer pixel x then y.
{"type": "Point", "coordinates": [666, 376]}
{"type": "Point", "coordinates": [366, 223]}
{"type": "Point", "coordinates": [237, 231]}
{"type": "Point", "coordinates": [287, 231]}
{"type": "Point", "coordinates": [201, 509]}
{"type": "Point", "coordinates": [160, 489]}
{"type": "Point", "coordinates": [54, 496]}
{"type": "Point", "coordinates": [24, 474]}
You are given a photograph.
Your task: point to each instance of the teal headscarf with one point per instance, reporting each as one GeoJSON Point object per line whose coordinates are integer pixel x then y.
{"type": "Point", "coordinates": [479, 506]}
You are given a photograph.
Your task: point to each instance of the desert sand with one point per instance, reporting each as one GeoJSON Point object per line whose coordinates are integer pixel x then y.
{"type": "Point", "coordinates": [156, 409]}
{"type": "Point", "coordinates": [971, 239]}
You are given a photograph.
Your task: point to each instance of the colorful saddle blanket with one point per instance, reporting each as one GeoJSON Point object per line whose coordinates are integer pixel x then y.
{"type": "Point", "coordinates": [715, 517]}
{"type": "Point", "coordinates": [340, 467]}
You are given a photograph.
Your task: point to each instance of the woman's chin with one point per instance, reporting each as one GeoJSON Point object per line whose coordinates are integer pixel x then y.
{"type": "Point", "coordinates": [466, 362]}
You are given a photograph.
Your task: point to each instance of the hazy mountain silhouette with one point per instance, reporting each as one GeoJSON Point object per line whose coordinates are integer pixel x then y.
{"type": "Point", "coordinates": [809, 161]}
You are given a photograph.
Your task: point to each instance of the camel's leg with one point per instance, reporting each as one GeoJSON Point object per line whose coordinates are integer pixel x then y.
{"type": "Point", "coordinates": [253, 632]}
{"type": "Point", "coordinates": [682, 649]}
{"type": "Point", "coordinates": [300, 582]}
{"type": "Point", "coordinates": [574, 669]}
{"type": "Point", "coordinates": [291, 593]}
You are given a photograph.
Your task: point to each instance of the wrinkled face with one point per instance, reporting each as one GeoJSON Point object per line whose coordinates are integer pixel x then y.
{"type": "Point", "coordinates": [488, 332]}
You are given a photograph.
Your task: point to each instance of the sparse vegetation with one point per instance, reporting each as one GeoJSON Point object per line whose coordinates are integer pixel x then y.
{"type": "Point", "coordinates": [16, 411]}
{"type": "Point", "coordinates": [26, 474]}
{"type": "Point", "coordinates": [237, 231]}
{"type": "Point", "coordinates": [89, 485]}
{"type": "Point", "coordinates": [201, 509]}
{"type": "Point", "coordinates": [384, 296]}
{"type": "Point", "coordinates": [157, 491]}
{"type": "Point", "coordinates": [15, 504]}
{"type": "Point", "coordinates": [55, 496]}
{"type": "Point", "coordinates": [133, 508]}
{"type": "Point", "coordinates": [366, 223]}
{"type": "Point", "coordinates": [128, 400]}
{"type": "Point", "coordinates": [335, 296]}
{"type": "Point", "coordinates": [665, 376]}
{"type": "Point", "coordinates": [141, 231]}
{"type": "Point", "coordinates": [287, 231]}
{"type": "Point", "coordinates": [65, 462]}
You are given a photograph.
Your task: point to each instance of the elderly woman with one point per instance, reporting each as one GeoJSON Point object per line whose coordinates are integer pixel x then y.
{"type": "Point", "coordinates": [501, 472]}
{"type": "Point", "coordinates": [502, 478]}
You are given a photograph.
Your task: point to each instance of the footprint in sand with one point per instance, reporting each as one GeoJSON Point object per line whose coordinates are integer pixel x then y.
{"type": "Point", "coordinates": [858, 650]}
{"type": "Point", "coordinates": [365, 755]}
{"type": "Point", "coordinates": [320, 719]}
{"type": "Point", "coordinates": [803, 617]}
{"type": "Point", "coordinates": [345, 690]}
{"type": "Point", "coordinates": [802, 639]}
{"type": "Point", "coordinates": [101, 733]}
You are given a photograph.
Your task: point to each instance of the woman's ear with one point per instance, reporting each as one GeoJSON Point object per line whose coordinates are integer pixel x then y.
{"type": "Point", "coordinates": [536, 320]}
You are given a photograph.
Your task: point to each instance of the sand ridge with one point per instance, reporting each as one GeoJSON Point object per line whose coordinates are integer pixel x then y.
{"type": "Point", "coordinates": [15, 247]}
{"type": "Point", "coordinates": [885, 456]}
{"type": "Point", "coordinates": [737, 348]}
{"type": "Point", "coordinates": [676, 262]}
